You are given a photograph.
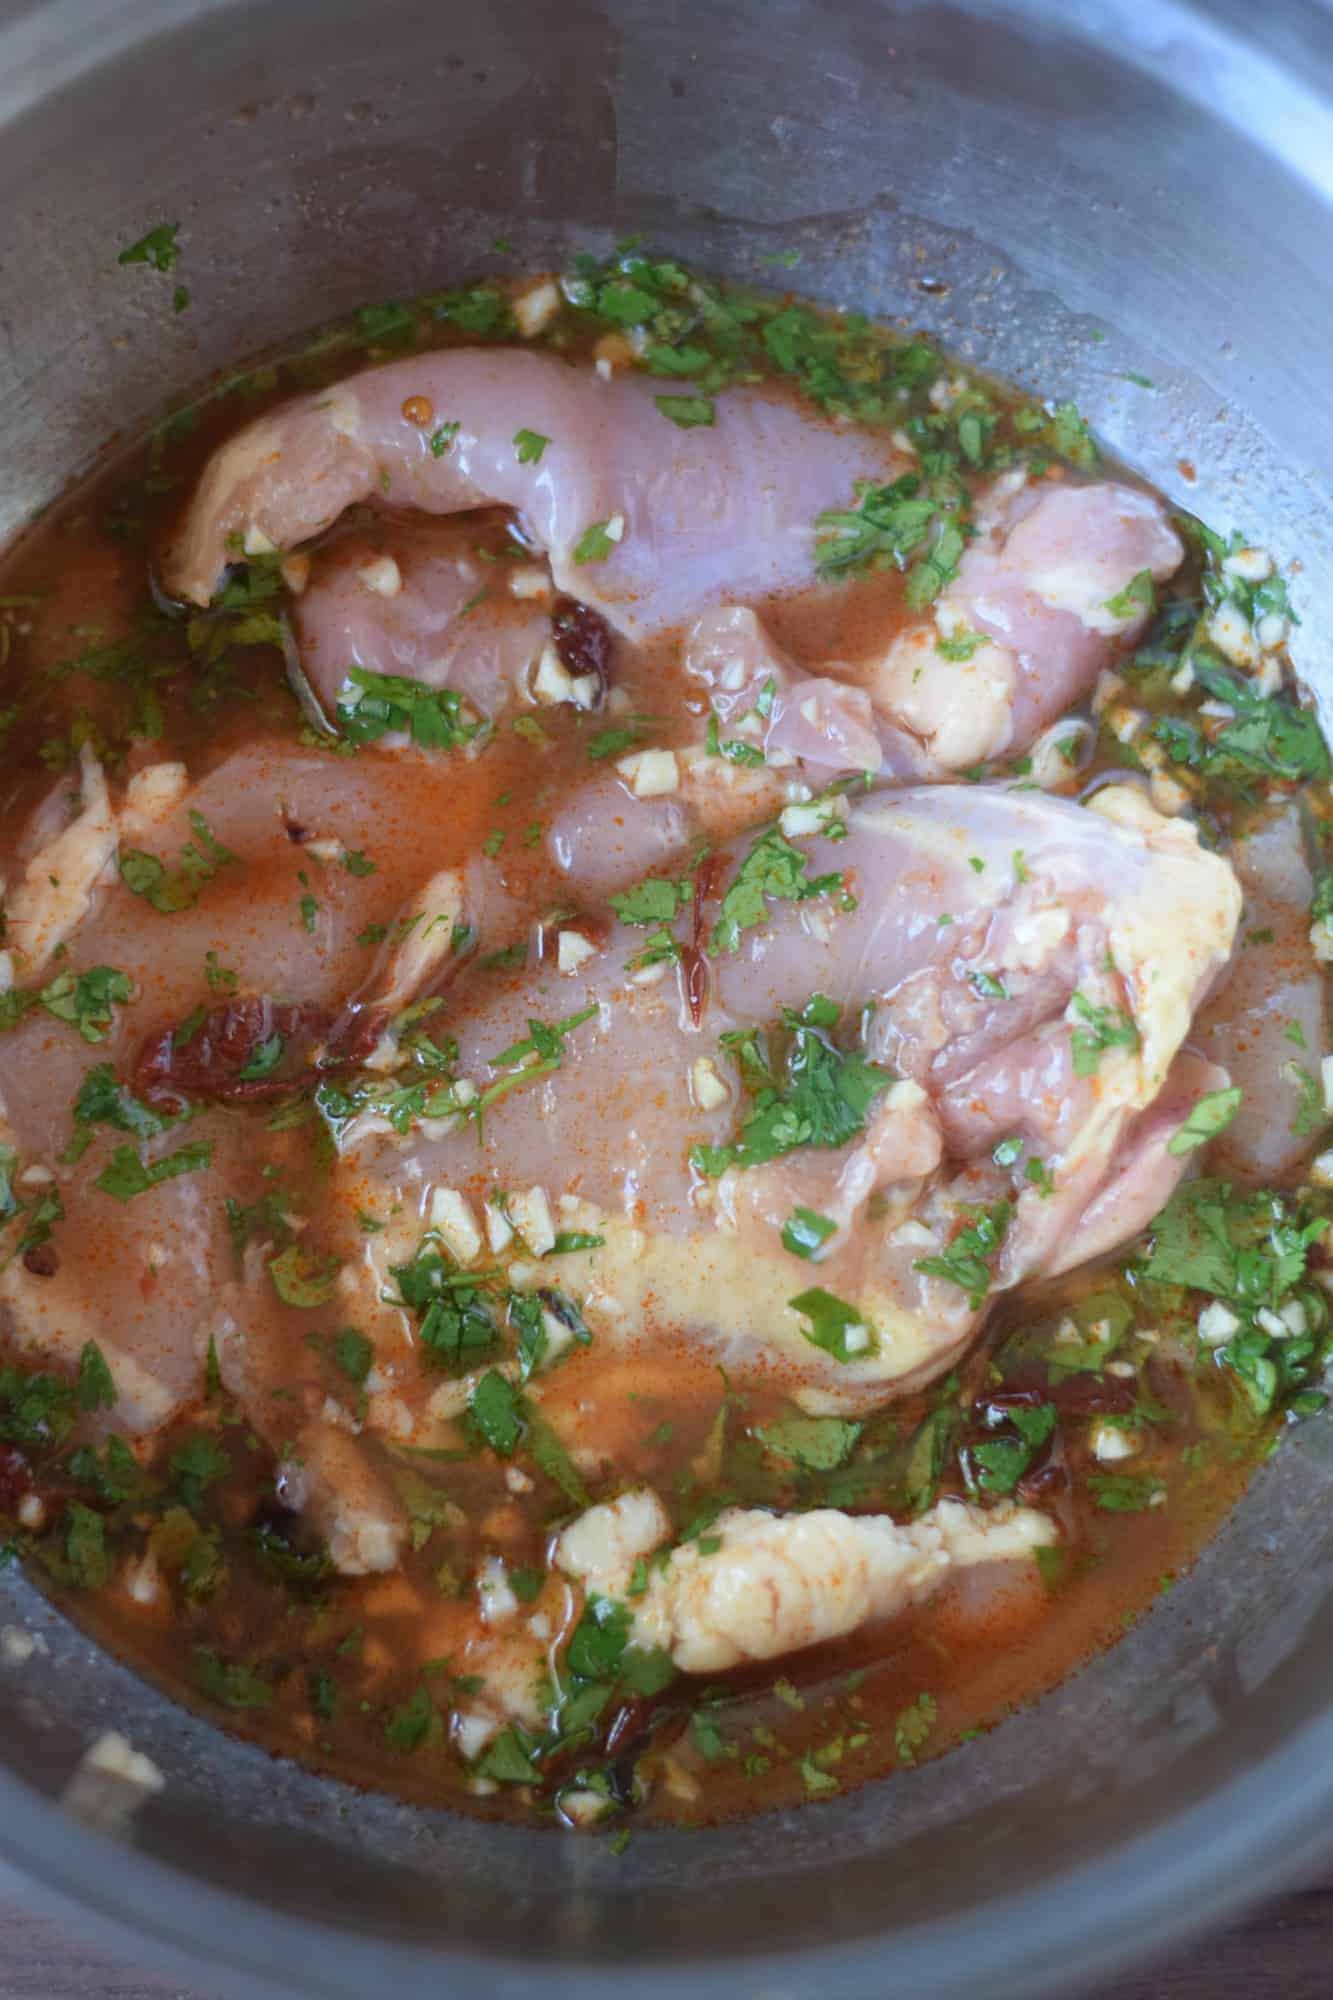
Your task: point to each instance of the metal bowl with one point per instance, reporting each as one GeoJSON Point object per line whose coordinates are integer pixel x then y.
{"type": "Point", "coordinates": [1071, 195]}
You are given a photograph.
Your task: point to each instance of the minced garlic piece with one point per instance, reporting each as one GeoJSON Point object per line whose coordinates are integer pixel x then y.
{"type": "Point", "coordinates": [651, 774]}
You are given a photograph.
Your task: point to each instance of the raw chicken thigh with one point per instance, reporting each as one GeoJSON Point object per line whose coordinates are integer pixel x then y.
{"type": "Point", "coordinates": [678, 518]}
{"type": "Point", "coordinates": [1056, 584]}
{"type": "Point", "coordinates": [1025, 970]}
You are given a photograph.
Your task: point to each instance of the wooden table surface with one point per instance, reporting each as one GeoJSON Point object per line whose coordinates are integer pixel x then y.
{"type": "Point", "coordinates": [1283, 1953]}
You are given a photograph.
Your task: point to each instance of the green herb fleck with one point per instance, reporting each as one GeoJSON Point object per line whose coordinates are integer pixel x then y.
{"type": "Point", "coordinates": [597, 542]}
{"type": "Point", "coordinates": [158, 248]}
{"type": "Point", "coordinates": [1211, 1115]}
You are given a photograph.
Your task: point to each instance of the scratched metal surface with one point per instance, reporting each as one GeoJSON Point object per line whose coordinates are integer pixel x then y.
{"type": "Point", "coordinates": [1282, 1953]}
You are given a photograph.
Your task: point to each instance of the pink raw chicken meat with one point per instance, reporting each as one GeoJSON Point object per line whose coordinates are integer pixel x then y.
{"type": "Point", "coordinates": [755, 686]}
{"type": "Point", "coordinates": [699, 513]}
{"type": "Point", "coordinates": [1269, 1025]}
{"type": "Point", "coordinates": [416, 599]}
{"type": "Point", "coordinates": [975, 1016]}
{"type": "Point", "coordinates": [1045, 587]}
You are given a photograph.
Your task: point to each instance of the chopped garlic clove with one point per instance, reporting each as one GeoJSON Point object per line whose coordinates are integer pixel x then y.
{"type": "Point", "coordinates": [651, 774]}
{"type": "Point", "coordinates": [530, 1213]}
{"type": "Point", "coordinates": [710, 1089]}
{"type": "Point", "coordinates": [1217, 1323]}
{"type": "Point", "coordinates": [536, 308]}
{"type": "Point", "coordinates": [452, 1217]}
{"type": "Point", "coordinates": [499, 1229]}
{"type": "Point", "coordinates": [552, 683]}
{"type": "Point", "coordinates": [382, 576]}
{"type": "Point", "coordinates": [572, 951]}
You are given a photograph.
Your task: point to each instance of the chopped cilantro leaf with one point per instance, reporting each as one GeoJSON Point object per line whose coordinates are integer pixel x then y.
{"type": "Point", "coordinates": [656, 900]}
{"type": "Point", "coordinates": [265, 1059]}
{"type": "Point", "coordinates": [300, 1279]}
{"type": "Point", "coordinates": [841, 1330]}
{"type": "Point", "coordinates": [614, 742]}
{"type": "Point", "coordinates": [913, 1727]}
{"type": "Point", "coordinates": [479, 309]}
{"type": "Point", "coordinates": [126, 1175]}
{"type": "Point", "coordinates": [372, 705]}
{"type": "Point", "coordinates": [85, 1547]}
{"type": "Point", "coordinates": [1039, 1176]}
{"type": "Point", "coordinates": [733, 748]}
{"type": "Point", "coordinates": [1123, 1492]}
{"type": "Point", "coordinates": [772, 868]}
{"type": "Point", "coordinates": [158, 248]}
{"type": "Point", "coordinates": [195, 1466]}
{"type": "Point", "coordinates": [1310, 1113]}
{"type": "Point", "coordinates": [550, 1456]}
{"type": "Point", "coordinates": [886, 527]}
{"type": "Point", "coordinates": [823, 1099]}
{"type": "Point", "coordinates": [508, 1758]}
{"type": "Point", "coordinates": [967, 1261]}
{"type": "Point", "coordinates": [354, 1354]}
{"type": "Point", "coordinates": [103, 1100]}
{"type": "Point", "coordinates": [805, 1232]}
{"type": "Point", "coordinates": [817, 1444]}
{"type": "Point", "coordinates": [35, 1409]}
{"type": "Point", "coordinates": [597, 542]}
{"type": "Point", "coordinates": [687, 412]}
{"type": "Point", "coordinates": [86, 1001]}
{"type": "Point", "coordinates": [1270, 734]}
{"type": "Point", "coordinates": [496, 1410]}
{"type": "Point", "coordinates": [1002, 1461]}
{"type": "Point", "coordinates": [164, 890]}
{"type": "Point", "coordinates": [1108, 1028]}
{"type": "Point", "coordinates": [97, 1387]}
{"type": "Point", "coordinates": [231, 1683]}
{"type": "Point", "coordinates": [960, 646]}
{"type": "Point", "coordinates": [1211, 1115]}
{"type": "Point", "coordinates": [928, 576]}
{"type": "Point", "coordinates": [1139, 594]}
{"type": "Point", "coordinates": [1246, 1250]}
{"type": "Point", "coordinates": [113, 1474]}
{"type": "Point", "coordinates": [541, 1051]}
{"type": "Point", "coordinates": [568, 1240]}
{"type": "Point", "coordinates": [221, 978]}
{"type": "Point", "coordinates": [413, 1722]}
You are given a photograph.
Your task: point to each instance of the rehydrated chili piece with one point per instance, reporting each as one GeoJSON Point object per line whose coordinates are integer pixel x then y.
{"type": "Point", "coordinates": [695, 967]}
{"type": "Point", "coordinates": [708, 878]}
{"type": "Point", "coordinates": [584, 641]}
{"type": "Point", "coordinates": [1082, 1395]}
{"type": "Point", "coordinates": [208, 1059]}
